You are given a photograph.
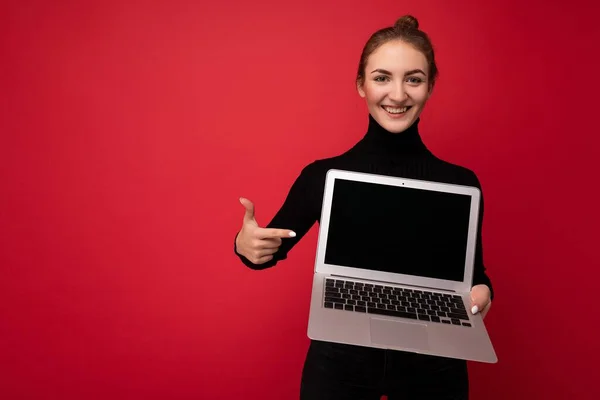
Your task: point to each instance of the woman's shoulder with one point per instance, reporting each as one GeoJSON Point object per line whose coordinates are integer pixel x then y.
{"type": "Point", "coordinates": [320, 166]}
{"type": "Point", "coordinates": [452, 172]}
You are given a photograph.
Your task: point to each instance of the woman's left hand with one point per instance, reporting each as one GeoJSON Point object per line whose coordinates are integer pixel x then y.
{"type": "Point", "coordinates": [480, 299]}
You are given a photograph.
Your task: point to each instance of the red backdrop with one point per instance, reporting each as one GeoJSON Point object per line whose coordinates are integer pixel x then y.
{"type": "Point", "coordinates": [130, 129]}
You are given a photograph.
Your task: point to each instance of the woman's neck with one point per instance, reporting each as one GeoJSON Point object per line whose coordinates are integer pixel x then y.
{"type": "Point", "coordinates": [380, 141]}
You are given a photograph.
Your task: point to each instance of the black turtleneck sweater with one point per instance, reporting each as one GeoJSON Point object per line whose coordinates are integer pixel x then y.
{"type": "Point", "coordinates": [380, 152]}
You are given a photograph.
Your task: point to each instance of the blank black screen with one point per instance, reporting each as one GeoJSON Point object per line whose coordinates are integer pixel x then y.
{"type": "Point", "coordinates": [398, 229]}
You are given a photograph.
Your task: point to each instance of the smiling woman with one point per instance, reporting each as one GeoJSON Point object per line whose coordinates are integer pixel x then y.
{"type": "Point", "coordinates": [396, 75]}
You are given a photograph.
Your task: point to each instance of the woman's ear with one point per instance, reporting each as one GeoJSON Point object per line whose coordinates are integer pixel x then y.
{"type": "Point", "coordinates": [359, 87]}
{"type": "Point", "coordinates": [430, 92]}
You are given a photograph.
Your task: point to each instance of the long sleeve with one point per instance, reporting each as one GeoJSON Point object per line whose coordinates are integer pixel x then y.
{"type": "Point", "coordinates": [479, 272]}
{"type": "Point", "coordinates": [300, 210]}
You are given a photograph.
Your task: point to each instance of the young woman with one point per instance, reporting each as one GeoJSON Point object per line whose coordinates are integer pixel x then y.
{"type": "Point", "coordinates": [396, 76]}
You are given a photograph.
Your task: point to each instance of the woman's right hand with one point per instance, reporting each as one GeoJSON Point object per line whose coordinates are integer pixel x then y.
{"type": "Point", "coordinates": [255, 243]}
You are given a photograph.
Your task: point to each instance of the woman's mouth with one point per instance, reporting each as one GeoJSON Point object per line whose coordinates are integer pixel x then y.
{"type": "Point", "coordinates": [396, 111]}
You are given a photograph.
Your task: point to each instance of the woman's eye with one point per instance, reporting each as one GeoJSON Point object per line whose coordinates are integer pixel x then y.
{"type": "Point", "coordinates": [381, 78]}
{"type": "Point", "coordinates": [415, 80]}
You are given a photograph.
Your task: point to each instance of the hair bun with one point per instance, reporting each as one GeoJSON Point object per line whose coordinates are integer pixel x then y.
{"type": "Point", "coordinates": [407, 22]}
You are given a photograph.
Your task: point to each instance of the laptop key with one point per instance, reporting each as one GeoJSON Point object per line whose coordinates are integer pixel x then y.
{"type": "Point", "coordinates": [391, 313]}
{"type": "Point", "coordinates": [435, 319]}
{"type": "Point", "coordinates": [424, 317]}
{"type": "Point", "coordinates": [328, 304]}
{"type": "Point", "coordinates": [458, 316]}
{"type": "Point", "coordinates": [349, 307]}
{"type": "Point", "coordinates": [335, 300]}
{"type": "Point", "coordinates": [360, 309]}
{"type": "Point", "coordinates": [338, 306]}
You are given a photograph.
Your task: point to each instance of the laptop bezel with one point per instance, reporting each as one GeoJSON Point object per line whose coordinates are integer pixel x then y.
{"type": "Point", "coordinates": [424, 282]}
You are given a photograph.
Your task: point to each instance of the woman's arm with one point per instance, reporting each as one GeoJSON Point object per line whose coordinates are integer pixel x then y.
{"type": "Point", "coordinates": [298, 213]}
{"type": "Point", "coordinates": [480, 276]}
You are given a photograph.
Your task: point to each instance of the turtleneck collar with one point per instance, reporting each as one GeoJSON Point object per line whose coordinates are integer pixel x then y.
{"type": "Point", "coordinates": [380, 141]}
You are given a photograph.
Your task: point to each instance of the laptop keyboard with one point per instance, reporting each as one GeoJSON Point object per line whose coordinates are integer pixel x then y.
{"type": "Point", "coordinates": [395, 302]}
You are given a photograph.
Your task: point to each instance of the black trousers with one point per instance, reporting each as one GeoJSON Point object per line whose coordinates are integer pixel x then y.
{"type": "Point", "coordinates": [343, 372]}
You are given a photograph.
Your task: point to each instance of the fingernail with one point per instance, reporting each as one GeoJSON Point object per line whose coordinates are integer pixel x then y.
{"type": "Point", "coordinates": [475, 309]}
{"type": "Point", "coordinates": [292, 234]}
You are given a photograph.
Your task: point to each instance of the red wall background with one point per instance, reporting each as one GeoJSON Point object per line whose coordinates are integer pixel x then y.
{"type": "Point", "coordinates": [130, 129]}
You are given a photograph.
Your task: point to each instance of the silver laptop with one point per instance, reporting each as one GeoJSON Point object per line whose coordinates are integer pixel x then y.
{"type": "Point", "coordinates": [394, 267]}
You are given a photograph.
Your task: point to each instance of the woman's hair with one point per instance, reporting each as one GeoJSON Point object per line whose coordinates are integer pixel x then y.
{"type": "Point", "coordinates": [407, 30]}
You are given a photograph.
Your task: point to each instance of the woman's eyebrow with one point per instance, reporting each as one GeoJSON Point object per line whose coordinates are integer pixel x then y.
{"type": "Point", "coordinates": [413, 71]}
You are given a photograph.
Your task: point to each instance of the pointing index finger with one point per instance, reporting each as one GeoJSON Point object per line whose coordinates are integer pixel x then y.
{"type": "Point", "coordinates": [273, 233]}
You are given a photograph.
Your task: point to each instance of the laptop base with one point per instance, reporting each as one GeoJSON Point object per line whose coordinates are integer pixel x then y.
{"type": "Point", "coordinates": [371, 327]}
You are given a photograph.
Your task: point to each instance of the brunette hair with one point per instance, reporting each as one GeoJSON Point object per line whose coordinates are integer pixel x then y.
{"type": "Point", "coordinates": [407, 30]}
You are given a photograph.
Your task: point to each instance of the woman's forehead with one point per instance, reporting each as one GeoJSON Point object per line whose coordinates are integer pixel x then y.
{"type": "Point", "coordinates": [396, 57]}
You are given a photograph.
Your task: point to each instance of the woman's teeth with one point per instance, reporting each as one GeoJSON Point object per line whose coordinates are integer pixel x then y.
{"type": "Point", "coordinates": [395, 110]}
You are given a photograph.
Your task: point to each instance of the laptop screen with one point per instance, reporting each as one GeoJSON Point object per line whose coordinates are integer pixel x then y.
{"type": "Point", "coordinates": [398, 229]}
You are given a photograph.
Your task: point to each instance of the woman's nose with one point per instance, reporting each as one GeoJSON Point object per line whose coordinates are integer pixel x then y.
{"type": "Point", "coordinates": [398, 94]}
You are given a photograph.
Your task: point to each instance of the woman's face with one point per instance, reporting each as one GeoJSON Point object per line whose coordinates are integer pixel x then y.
{"type": "Point", "coordinates": [396, 85]}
